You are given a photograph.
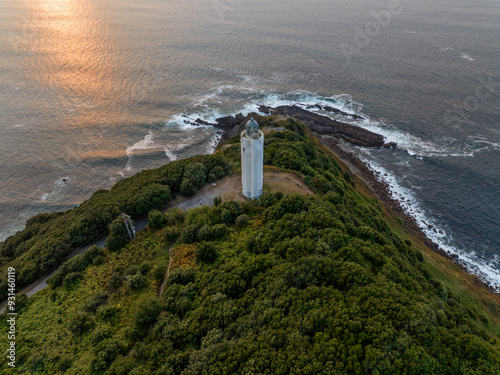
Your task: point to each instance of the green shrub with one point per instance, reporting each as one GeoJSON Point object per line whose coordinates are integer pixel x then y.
{"type": "Point", "coordinates": [123, 365]}
{"type": "Point", "coordinates": [156, 220]}
{"type": "Point", "coordinates": [137, 281]}
{"type": "Point", "coordinates": [321, 184]}
{"type": "Point", "coordinates": [347, 176]}
{"type": "Point", "coordinates": [70, 271]}
{"type": "Point", "coordinates": [115, 280]}
{"type": "Point", "coordinates": [267, 200]}
{"type": "Point", "coordinates": [71, 279]}
{"type": "Point", "coordinates": [219, 232]}
{"type": "Point", "coordinates": [106, 353]}
{"type": "Point", "coordinates": [93, 252]}
{"type": "Point", "coordinates": [159, 271]}
{"type": "Point", "coordinates": [242, 221]}
{"type": "Point", "coordinates": [188, 187]}
{"type": "Point", "coordinates": [145, 310]}
{"type": "Point", "coordinates": [190, 234]}
{"type": "Point", "coordinates": [21, 301]}
{"type": "Point", "coordinates": [107, 312]}
{"type": "Point", "coordinates": [193, 179]}
{"type": "Point", "coordinates": [80, 323]}
{"type": "Point", "coordinates": [230, 211]}
{"type": "Point", "coordinates": [56, 280]}
{"type": "Point", "coordinates": [212, 233]}
{"type": "Point", "coordinates": [96, 300]}
{"type": "Point", "coordinates": [216, 174]}
{"type": "Point", "coordinates": [171, 233]}
{"type": "Point", "coordinates": [181, 276]}
{"type": "Point", "coordinates": [98, 260]}
{"type": "Point", "coordinates": [145, 267]}
{"type": "Point", "coordinates": [37, 361]}
{"type": "Point", "coordinates": [118, 236]}
{"type": "Point", "coordinates": [205, 252]}
{"type": "Point", "coordinates": [174, 216]}
{"type": "Point", "coordinates": [132, 270]}
{"type": "Point", "coordinates": [100, 334]}
{"type": "Point", "coordinates": [64, 363]}
{"type": "Point", "coordinates": [153, 196]}
{"type": "Point", "coordinates": [205, 233]}
{"type": "Point", "coordinates": [76, 264]}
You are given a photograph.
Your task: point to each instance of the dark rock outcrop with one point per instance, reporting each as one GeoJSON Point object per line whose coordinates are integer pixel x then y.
{"type": "Point", "coordinates": [323, 125]}
{"type": "Point", "coordinates": [231, 126]}
{"type": "Point", "coordinates": [227, 123]}
{"type": "Point", "coordinates": [264, 109]}
{"type": "Point", "coordinates": [335, 110]}
{"type": "Point", "coordinates": [390, 145]}
{"type": "Point", "coordinates": [199, 121]}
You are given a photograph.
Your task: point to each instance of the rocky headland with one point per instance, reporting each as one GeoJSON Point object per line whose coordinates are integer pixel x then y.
{"type": "Point", "coordinates": [318, 124]}
{"type": "Point", "coordinates": [333, 134]}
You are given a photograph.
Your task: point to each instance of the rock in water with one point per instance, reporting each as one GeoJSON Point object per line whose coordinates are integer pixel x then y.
{"type": "Point", "coordinates": [326, 126]}
{"type": "Point", "coordinates": [390, 145]}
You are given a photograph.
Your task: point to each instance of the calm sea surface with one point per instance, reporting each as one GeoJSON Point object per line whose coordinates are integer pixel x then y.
{"type": "Point", "coordinates": [92, 91]}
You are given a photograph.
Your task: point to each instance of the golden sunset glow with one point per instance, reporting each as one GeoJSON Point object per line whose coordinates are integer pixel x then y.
{"type": "Point", "coordinates": [58, 5]}
{"type": "Point", "coordinates": [74, 52]}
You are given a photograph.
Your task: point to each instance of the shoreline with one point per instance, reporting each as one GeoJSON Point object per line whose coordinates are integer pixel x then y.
{"type": "Point", "coordinates": [381, 191]}
{"type": "Point", "coordinates": [230, 126]}
{"type": "Point", "coordinates": [332, 134]}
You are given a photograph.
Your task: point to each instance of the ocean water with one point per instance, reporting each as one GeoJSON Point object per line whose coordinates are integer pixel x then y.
{"type": "Point", "coordinates": [92, 91]}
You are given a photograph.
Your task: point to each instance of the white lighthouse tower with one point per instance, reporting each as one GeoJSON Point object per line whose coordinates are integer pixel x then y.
{"type": "Point", "coordinates": [252, 160]}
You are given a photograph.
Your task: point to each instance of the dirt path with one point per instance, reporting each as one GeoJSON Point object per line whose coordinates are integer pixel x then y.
{"type": "Point", "coordinates": [163, 286]}
{"type": "Point", "coordinates": [229, 188]}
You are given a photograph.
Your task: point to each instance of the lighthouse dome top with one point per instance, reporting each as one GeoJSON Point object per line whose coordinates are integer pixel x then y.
{"type": "Point", "coordinates": [252, 127]}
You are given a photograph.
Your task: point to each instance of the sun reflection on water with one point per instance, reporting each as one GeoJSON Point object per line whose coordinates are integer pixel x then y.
{"type": "Point", "coordinates": [74, 56]}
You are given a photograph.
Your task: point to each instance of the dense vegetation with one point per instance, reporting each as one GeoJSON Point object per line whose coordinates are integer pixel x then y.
{"type": "Point", "coordinates": [282, 285]}
{"type": "Point", "coordinates": [49, 238]}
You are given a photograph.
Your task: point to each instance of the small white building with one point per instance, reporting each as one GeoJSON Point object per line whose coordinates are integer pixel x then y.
{"type": "Point", "coordinates": [252, 160]}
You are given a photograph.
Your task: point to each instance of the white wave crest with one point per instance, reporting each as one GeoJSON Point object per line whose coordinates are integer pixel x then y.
{"type": "Point", "coordinates": [467, 57]}
{"type": "Point", "coordinates": [146, 144]}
